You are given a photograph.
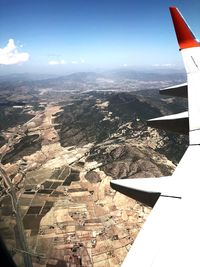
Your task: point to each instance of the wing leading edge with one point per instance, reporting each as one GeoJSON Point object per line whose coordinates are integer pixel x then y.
{"type": "Point", "coordinates": [170, 234]}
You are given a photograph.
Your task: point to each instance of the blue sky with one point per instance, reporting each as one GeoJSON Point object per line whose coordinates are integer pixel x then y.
{"type": "Point", "coordinates": [62, 35]}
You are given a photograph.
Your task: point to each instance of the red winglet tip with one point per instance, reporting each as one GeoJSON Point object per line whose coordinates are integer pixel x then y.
{"type": "Point", "coordinates": [185, 37]}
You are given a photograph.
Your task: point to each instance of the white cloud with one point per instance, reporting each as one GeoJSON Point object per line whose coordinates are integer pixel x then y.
{"type": "Point", "coordinates": [125, 65]}
{"type": "Point", "coordinates": [63, 62]}
{"type": "Point", "coordinates": [166, 65]}
{"type": "Point", "coordinates": [82, 60]}
{"type": "Point", "coordinates": [57, 62]}
{"type": "Point", "coordinates": [9, 55]}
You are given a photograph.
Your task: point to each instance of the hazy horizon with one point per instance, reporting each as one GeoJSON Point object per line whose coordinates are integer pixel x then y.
{"type": "Point", "coordinates": [53, 73]}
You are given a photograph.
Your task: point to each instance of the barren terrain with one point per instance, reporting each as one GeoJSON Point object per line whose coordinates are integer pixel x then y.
{"type": "Point", "coordinates": [61, 157]}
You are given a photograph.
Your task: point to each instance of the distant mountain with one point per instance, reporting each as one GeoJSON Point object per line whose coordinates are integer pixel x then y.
{"type": "Point", "coordinates": [120, 79]}
{"type": "Point", "coordinates": [150, 75]}
{"type": "Point", "coordinates": [25, 77]}
{"type": "Point", "coordinates": [122, 74]}
{"type": "Point", "coordinates": [92, 76]}
{"type": "Point", "coordinates": [82, 76]}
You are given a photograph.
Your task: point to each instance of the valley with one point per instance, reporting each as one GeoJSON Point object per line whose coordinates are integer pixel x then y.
{"type": "Point", "coordinates": [61, 148]}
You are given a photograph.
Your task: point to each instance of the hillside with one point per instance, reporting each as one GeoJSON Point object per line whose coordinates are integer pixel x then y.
{"type": "Point", "coordinates": [61, 161]}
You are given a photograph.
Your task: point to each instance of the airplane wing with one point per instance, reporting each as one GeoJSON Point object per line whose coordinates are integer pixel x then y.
{"type": "Point", "coordinates": [170, 236]}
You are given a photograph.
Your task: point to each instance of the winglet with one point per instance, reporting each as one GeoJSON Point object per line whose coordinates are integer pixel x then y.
{"type": "Point", "coordinates": [185, 37]}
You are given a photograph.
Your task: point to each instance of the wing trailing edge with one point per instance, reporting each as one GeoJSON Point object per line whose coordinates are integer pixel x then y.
{"type": "Point", "coordinates": [139, 192]}
{"type": "Point", "coordinates": [178, 123]}
{"type": "Point", "coordinates": [161, 238]}
{"type": "Point", "coordinates": [180, 90]}
{"type": "Point", "coordinates": [146, 190]}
